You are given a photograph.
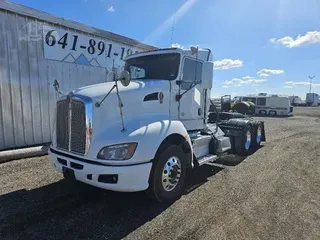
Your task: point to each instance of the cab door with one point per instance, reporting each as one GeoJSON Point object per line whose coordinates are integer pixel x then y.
{"type": "Point", "coordinates": [191, 105]}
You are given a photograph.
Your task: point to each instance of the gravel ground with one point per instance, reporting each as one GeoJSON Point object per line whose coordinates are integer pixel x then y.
{"type": "Point", "coordinates": [272, 194]}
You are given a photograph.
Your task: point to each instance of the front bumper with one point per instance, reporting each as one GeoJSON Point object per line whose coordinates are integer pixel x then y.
{"type": "Point", "coordinates": [130, 178]}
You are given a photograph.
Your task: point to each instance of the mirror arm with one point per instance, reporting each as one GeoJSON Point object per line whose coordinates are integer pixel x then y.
{"type": "Point", "coordinates": [98, 104]}
{"type": "Point", "coordinates": [57, 86]}
{"type": "Point", "coordinates": [179, 96]}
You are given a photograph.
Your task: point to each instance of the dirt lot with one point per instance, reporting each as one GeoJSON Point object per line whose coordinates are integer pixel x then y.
{"type": "Point", "coordinates": [272, 194]}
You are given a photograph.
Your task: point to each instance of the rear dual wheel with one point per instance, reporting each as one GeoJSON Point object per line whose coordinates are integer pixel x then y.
{"type": "Point", "coordinates": [249, 140]}
{"type": "Point", "coordinates": [257, 137]}
{"type": "Point", "coordinates": [243, 142]}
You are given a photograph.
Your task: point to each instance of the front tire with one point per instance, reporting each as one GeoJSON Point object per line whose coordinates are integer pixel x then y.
{"type": "Point", "coordinates": [167, 175]}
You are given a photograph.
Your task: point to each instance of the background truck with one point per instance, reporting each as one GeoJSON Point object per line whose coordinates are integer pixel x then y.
{"type": "Point", "coordinates": [261, 104]}
{"type": "Point", "coordinates": [312, 99]}
{"type": "Point", "coordinates": [295, 100]}
{"type": "Point", "coordinates": [142, 131]}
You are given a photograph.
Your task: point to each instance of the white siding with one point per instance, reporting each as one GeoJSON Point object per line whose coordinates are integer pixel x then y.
{"type": "Point", "coordinates": [27, 97]}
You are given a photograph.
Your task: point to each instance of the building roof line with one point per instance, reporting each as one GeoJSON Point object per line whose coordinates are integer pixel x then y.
{"type": "Point", "coordinates": [47, 17]}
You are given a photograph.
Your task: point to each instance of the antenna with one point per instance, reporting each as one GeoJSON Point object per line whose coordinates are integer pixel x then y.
{"type": "Point", "coordinates": [196, 72]}
{"type": "Point", "coordinates": [172, 29]}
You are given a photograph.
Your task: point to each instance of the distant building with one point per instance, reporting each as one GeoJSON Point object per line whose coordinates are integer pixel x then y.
{"type": "Point", "coordinates": [35, 49]}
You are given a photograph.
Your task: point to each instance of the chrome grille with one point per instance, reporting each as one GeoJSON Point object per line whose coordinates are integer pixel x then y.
{"type": "Point", "coordinates": [73, 125]}
{"type": "Point", "coordinates": [78, 127]}
{"type": "Point", "coordinates": [62, 125]}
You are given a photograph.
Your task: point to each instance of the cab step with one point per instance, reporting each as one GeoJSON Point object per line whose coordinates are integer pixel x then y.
{"type": "Point", "coordinates": [207, 159]}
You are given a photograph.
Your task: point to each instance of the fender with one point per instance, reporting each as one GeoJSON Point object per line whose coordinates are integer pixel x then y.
{"type": "Point", "coordinates": [149, 131]}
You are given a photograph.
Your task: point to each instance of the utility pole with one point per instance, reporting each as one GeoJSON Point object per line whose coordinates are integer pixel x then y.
{"type": "Point", "coordinates": [311, 77]}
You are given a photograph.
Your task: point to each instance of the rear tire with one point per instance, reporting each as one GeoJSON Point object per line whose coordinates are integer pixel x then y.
{"type": "Point", "coordinates": [241, 107]}
{"type": "Point", "coordinates": [257, 136]}
{"type": "Point", "coordinates": [167, 176]}
{"type": "Point", "coordinates": [243, 143]}
{"type": "Point", "coordinates": [273, 113]}
{"type": "Point", "coordinates": [262, 112]}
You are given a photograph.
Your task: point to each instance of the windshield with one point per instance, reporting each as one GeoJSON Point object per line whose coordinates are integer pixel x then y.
{"type": "Point", "coordinates": [158, 66]}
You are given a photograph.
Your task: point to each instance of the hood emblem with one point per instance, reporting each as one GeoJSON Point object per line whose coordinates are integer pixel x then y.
{"type": "Point", "coordinates": [160, 97]}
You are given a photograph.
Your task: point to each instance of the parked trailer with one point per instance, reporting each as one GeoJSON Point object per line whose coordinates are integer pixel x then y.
{"type": "Point", "coordinates": [272, 105]}
{"type": "Point", "coordinates": [144, 132]}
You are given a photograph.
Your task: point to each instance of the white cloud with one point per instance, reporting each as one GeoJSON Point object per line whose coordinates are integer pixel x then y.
{"type": "Point", "coordinates": [287, 87]}
{"type": "Point", "coordinates": [292, 83]}
{"type": "Point", "coordinates": [272, 40]}
{"type": "Point", "coordinates": [227, 64]}
{"type": "Point", "coordinates": [185, 47]}
{"type": "Point", "coordinates": [267, 72]}
{"type": "Point", "coordinates": [176, 45]}
{"type": "Point", "coordinates": [308, 38]}
{"type": "Point", "coordinates": [247, 78]}
{"type": "Point", "coordinates": [224, 86]}
{"type": "Point", "coordinates": [264, 75]}
{"type": "Point", "coordinates": [245, 81]}
{"type": "Point", "coordinates": [111, 9]}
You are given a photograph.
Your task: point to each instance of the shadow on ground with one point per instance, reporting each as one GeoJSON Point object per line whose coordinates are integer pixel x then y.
{"type": "Point", "coordinates": [67, 209]}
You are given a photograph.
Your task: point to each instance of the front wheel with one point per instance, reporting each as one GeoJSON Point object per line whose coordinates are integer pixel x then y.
{"type": "Point", "coordinates": [168, 175]}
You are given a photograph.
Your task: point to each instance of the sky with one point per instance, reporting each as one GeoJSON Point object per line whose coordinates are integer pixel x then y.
{"type": "Point", "coordinates": [269, 46]}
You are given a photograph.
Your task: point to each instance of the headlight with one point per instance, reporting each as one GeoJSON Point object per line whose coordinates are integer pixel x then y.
{"type": "Point", "coordinates": [118, 152]}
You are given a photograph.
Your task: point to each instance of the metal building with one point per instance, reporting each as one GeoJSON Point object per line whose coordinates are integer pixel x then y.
{"type": "Point", "coordinates": [35, 49]}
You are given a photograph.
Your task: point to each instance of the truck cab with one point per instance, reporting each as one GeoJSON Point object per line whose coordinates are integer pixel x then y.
{"type": "Point", "coordinates": [312, 99]}
{"type": "Point", "coordinates": [143, 130]}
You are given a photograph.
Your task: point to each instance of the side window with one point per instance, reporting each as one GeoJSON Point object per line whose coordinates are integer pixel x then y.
{"type": "Point", "coordinates": [190, 67]}
{"type": "Point", "coordinates": [189, 70]}
{"type": "Point", "coordinates": [261, 101]}
{"type": "Point", "coordinates": [137, 73]}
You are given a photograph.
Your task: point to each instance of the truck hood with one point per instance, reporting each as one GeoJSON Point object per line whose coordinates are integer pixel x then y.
{"type": "Point", "coordinates": [138, 98]}
{"type": "Point", "coordinates": [138, 88]}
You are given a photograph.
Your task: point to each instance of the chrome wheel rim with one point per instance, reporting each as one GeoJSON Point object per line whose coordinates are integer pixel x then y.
{"type": "Point", "coordinates": [171, 174]}
{"type": "Point", "coordinates": [259, 134]}
{"type": "Point", "coordinates": [248, 140]}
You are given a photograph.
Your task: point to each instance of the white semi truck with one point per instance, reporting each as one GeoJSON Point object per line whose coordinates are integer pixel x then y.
{"type": "Point", "coordinates": [143, 130]}
{"type": "Point", "coordinates": [312, 99]}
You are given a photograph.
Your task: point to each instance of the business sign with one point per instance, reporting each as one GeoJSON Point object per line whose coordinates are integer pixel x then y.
{"type": "Point", "coordinates": [73, 47]}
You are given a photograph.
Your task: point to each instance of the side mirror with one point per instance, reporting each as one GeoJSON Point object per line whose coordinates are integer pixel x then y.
{"type": "Point", "coordinates": [125, 78]}
{"type": "Point", "coordinates": [178, 82]}
{"type": "Point", "coordinates": [207, 75]}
